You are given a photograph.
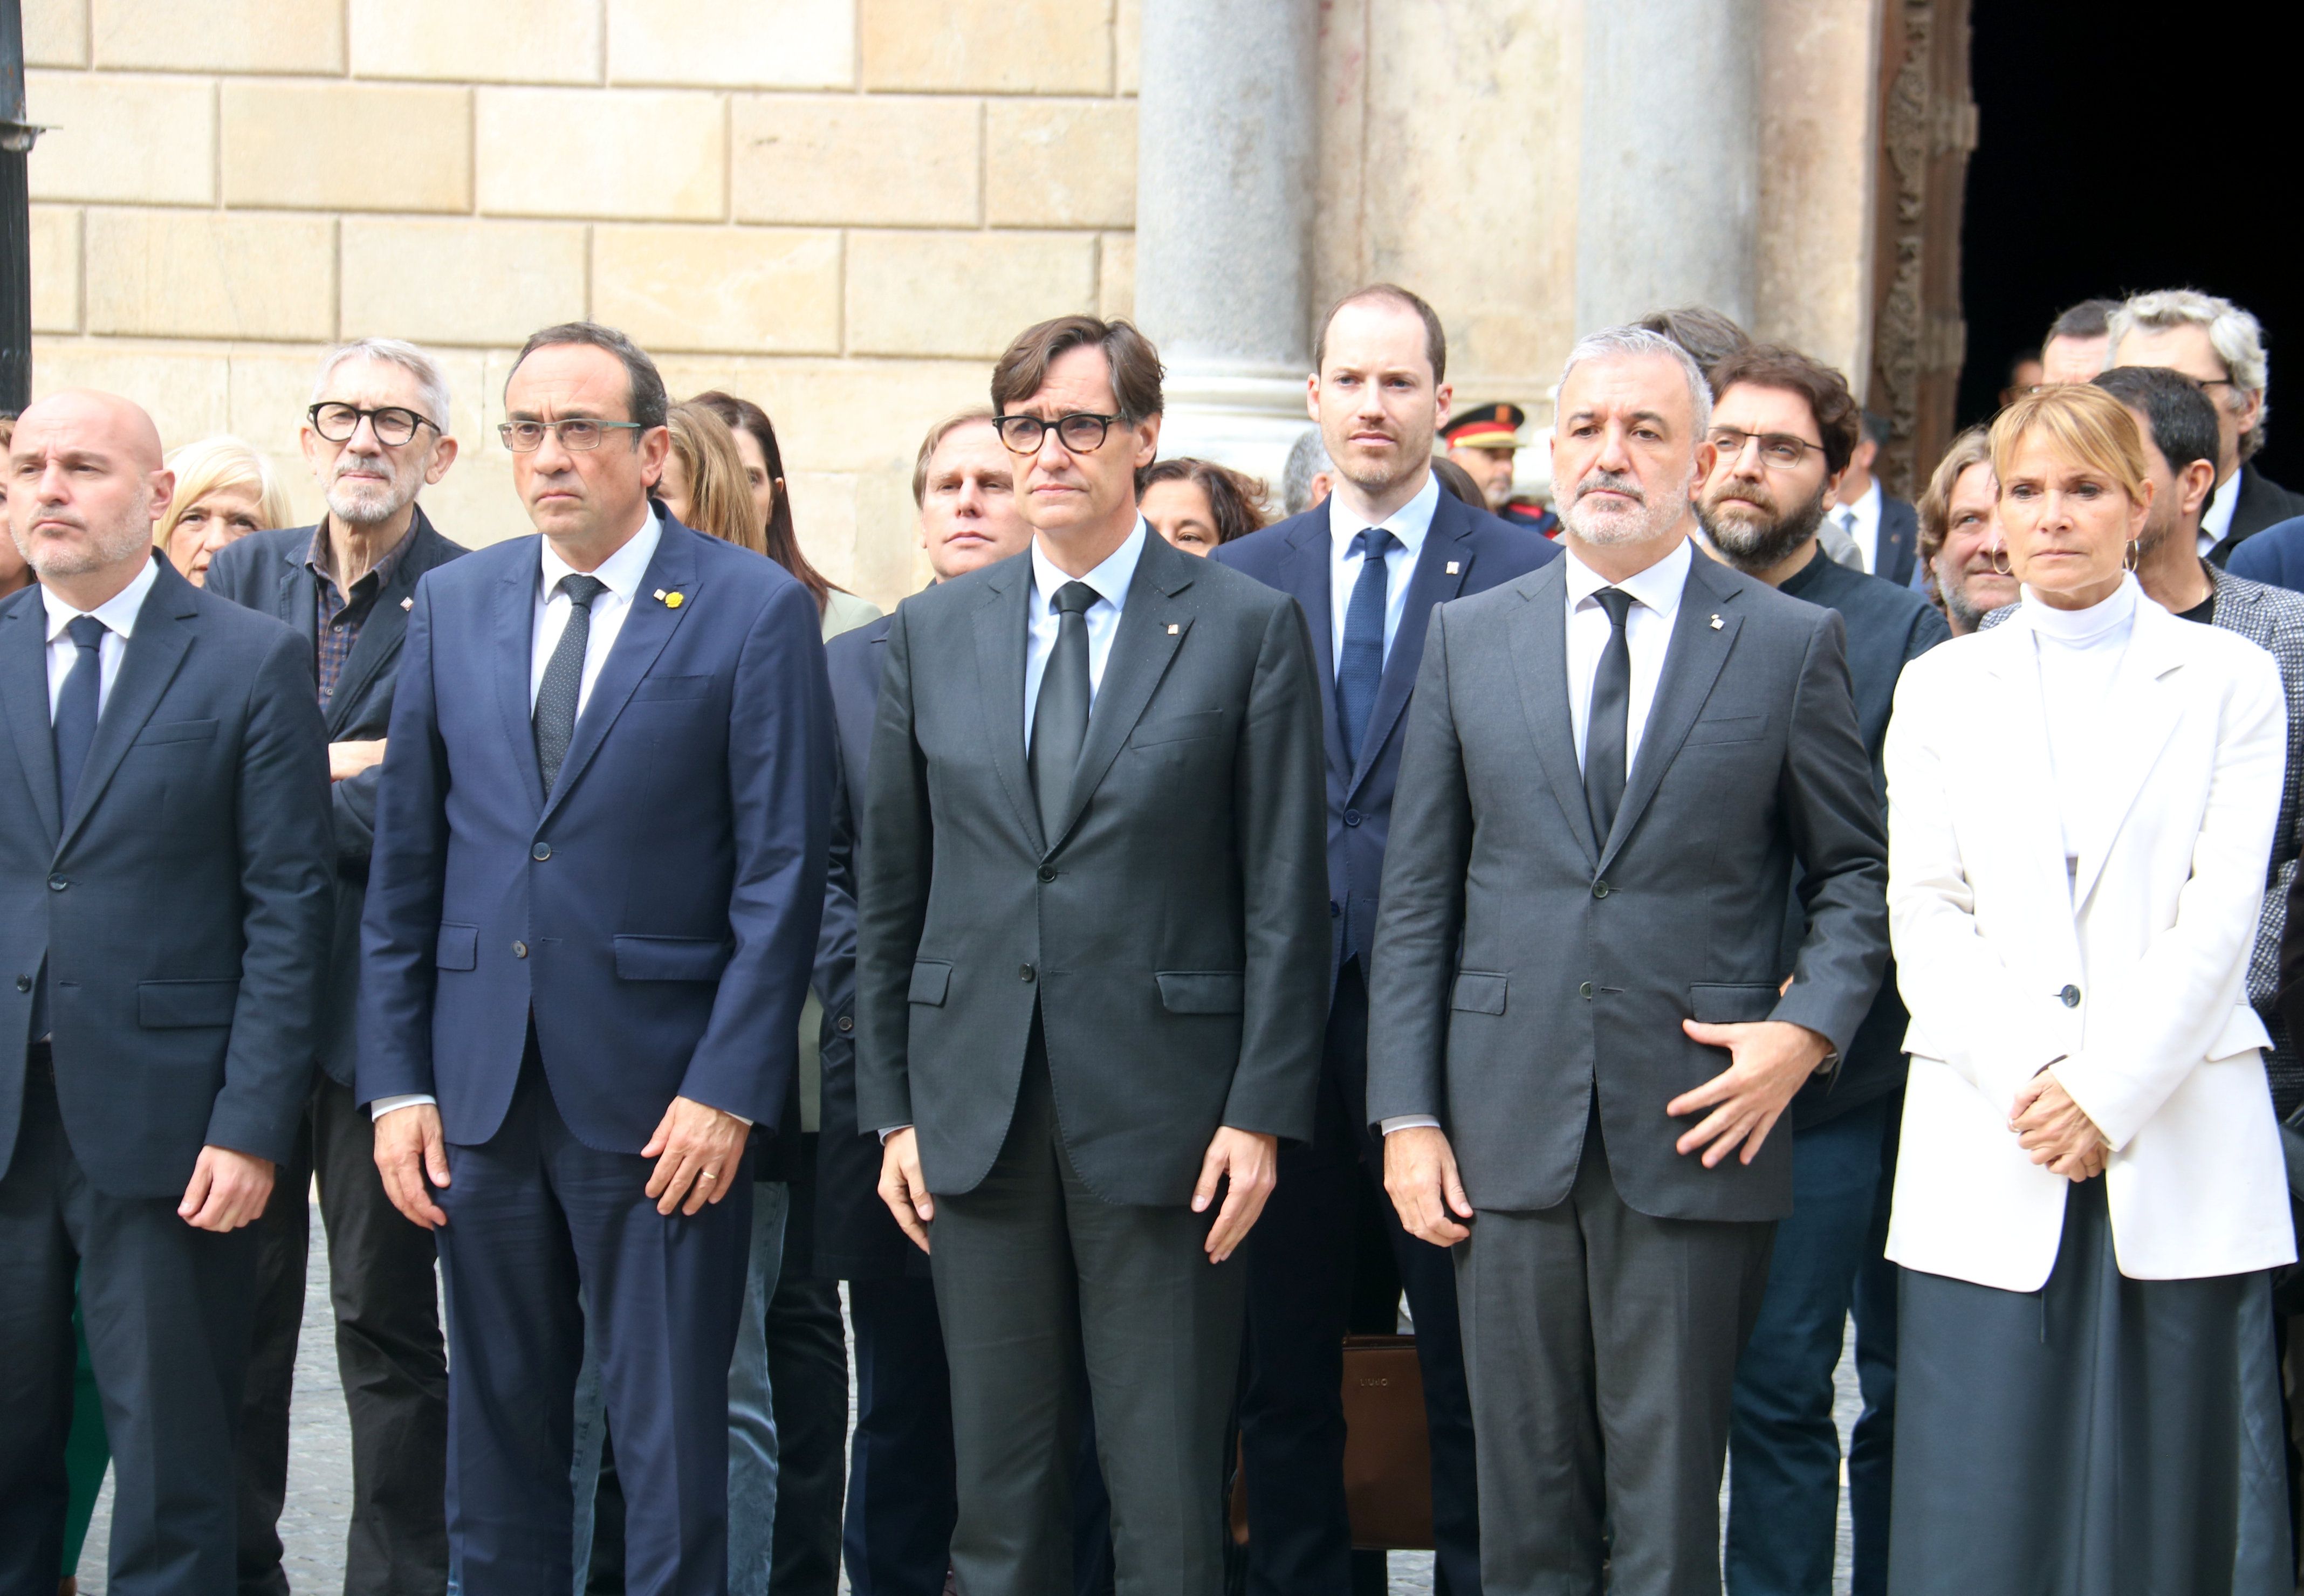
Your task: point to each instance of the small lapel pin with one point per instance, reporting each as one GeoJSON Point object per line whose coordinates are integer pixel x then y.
{"type": "Point", "coordinates": [1173, 628]}
{"type": "Point", "coordinates": [1717, 623]}
{"type": "Point", "coordinates": [671, 601]}
{"type": "Point", "coordinates": [1454, 568]}
{"type": "Point", "coordinates": [657, 595]}
{"type": "Point", "coordinates": [407, 604]}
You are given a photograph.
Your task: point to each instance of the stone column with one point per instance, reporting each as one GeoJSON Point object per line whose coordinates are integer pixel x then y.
{"type": "Point", "coordinates": [1225, 137]}
{"type": "Point", "coordinates": [1668, 184]}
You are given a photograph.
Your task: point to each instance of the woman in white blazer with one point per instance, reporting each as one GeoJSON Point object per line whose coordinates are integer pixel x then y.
{"type": "Point", "coordinates": [2090, 1191]}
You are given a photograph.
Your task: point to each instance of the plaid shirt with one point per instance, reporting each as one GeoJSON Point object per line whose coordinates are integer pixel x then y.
{"type": "Point", "coordinates": [340, 615]}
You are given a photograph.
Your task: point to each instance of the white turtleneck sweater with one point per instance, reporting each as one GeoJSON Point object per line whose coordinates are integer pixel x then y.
{"type": "Point", "coordinates": [2080, 653]}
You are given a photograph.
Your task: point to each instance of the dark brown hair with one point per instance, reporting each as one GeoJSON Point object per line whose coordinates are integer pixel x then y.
{"type": "Point", "coordinates": [1838, 420]}
{"type": "Point", "coordinates": [1136, 369]}
{"type": "Point", "coordinates": [1238, 503]}
{"type": "Point", "coordinates": [644, 396]}
{"type": "Point", "coordinates": [1971, 448]}
{"type": "Point", "coordinates": [741, 415]}
{"type": "Point", "coordinates": [1459, 481]}
{"type": "Point", "coordinates": [1435, 339]}
{"type": "Point", "coordinates": [1708, 336]}
{"type": "Point", "coordinates": [934, 441]}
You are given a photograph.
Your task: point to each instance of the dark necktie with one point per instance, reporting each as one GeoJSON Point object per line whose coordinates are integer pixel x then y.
{"type": "Point", "coordinates": [1361, 670]}
{"type": "Point", "coordinates": [1060, 717]}
{"type": "Point", "coordinates": [76, 709]}
{"type": "Point", "coordinates": [1607, 729]}
{"type": "Point", "coordinates": [563, 678]}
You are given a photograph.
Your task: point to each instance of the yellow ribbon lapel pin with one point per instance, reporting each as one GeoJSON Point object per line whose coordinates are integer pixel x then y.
{"type": "Point", "coordinates": [670, 601]}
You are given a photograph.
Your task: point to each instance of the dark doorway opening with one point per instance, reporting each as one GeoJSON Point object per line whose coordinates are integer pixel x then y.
{"type": "Point", "coordinates": [2123, 147]}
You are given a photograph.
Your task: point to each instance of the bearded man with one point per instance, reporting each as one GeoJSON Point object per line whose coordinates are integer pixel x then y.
{"type": "Point", "coordinates": [376, 436]}
{"type": "Point", "coordinates": [1622, 772]}
{"type": "Point", "coordinates": [1782, 429]}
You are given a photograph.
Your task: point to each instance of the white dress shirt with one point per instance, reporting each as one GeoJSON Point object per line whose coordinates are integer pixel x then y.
{"type": "Point", "coordinates": [1409, 525]}
{"type": "Point", "coordinates": [118, 614]}
{"type": "Point", "coordinates": [1110, 580]}
{"type": "Point", "coordinates": [622, 572]}
{"type": "Point", "coordinates": [1861, 522]}
{"type": "Point", "coordinates": [2216, 514]}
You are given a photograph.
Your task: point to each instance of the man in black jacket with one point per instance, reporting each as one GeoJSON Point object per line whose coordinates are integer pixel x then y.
{"type": "Point", "coordinates": [376, 433]}
{"type": "Point", "coordinates": [1784, 427]}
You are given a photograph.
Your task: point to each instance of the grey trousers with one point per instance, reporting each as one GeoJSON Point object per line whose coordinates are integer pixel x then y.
{"type": "Point", "coordinates": [1601, 1348]}
{"type": "Point", "coordinates": [1034, 1276]}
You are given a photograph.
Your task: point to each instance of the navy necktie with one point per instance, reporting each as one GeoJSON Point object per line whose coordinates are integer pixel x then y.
{"type": "Point", "coordinates": [1607, 729]}
{"type": "Point", "coordinates": [77, 707]}
{"type": "Point", "coordinates": [563, 678]}
{"type": "Point", "coordinates": [1060, 714]}
{"type": "Point", "coordinates": [1361, 671]}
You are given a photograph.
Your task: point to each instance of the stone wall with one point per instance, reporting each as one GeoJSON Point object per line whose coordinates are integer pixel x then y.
{"type": "Point", "coordinates": [842, 208]}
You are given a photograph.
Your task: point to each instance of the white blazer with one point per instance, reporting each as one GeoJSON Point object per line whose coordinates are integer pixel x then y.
{"type": "Point", "coordinates": [2130, 974]}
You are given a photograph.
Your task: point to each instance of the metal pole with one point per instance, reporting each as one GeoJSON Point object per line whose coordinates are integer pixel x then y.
{"type": "Point", "coordinates": [16, 137]}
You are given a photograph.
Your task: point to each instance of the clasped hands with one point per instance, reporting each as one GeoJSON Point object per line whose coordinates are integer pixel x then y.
{"type": "Point", "coordinates": [2053, 1130]}
{"type": "Point", "coordinates": [696, 1150]}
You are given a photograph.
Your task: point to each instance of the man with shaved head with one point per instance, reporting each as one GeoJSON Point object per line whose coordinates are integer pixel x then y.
{"type": "Point", "coordinates": [164, 900]}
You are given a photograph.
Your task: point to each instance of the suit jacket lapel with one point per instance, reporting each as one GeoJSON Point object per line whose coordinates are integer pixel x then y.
{"type": "Point", "coordinates": [1437, 576]}
{"type": "Point", "coordinates": [1152, 629]}
{"type": "Point", "coordinates": [292, 601]}
{"type": "Point", "coordinates": [1539, 651]}
{"type": "Point", "coordinates": [1308, 576]}
{"type": "Point", "coordinates": [163, 636]}
{"type": "Point", "coordinates": [1691, 663]}
{"type": "Point", "coordinates": [382, 632]}
{"type": "Point", "coordinates": [649, 626]}
{"type": "Point", "coordinates": [1001, 629]}
{"type": "Point", "coordinates": [513, 646]}
{"type": "Point", "coordinates": [24, 691]}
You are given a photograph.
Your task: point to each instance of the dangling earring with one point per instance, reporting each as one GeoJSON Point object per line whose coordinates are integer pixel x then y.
{"type": "Point", "coordinates": [2135, 552]}
{"type": "Point", "coordinates": [2000, 566]}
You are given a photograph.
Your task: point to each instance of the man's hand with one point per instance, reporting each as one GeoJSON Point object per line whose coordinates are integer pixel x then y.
{"type": "Point", "coordinates": [348, 759]}
{"type": "Point", "coordinates": [1769, 1062]}
{"type": "Point", "coordinates": [2052, 1130]}
{"type": "Point", "coordinates": [904, 1188]}
{"type": "Point", "coordinates": [1419, 1176]}
{"type": "Point", "coordinates": [227, 1190]}
{"type": "Point", "coordinates": [696, 1149]}
{"type": "Point", "coordinates": [409, 1149]}
{"type": "Point", "coordinates": [1253, 1162]}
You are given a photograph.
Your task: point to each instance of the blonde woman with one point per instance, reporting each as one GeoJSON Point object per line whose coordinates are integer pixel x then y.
{"type": "Point", "coordinates": [225, 491]}
{"type": "Point", "coordinates": [2090, 1193]}
{"type": "Point", "coordinates": [704, 485]}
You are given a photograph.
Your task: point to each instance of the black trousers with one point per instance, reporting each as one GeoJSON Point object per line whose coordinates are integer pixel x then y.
{"type": "Point", "coordinates": [1308, 1263]}
{"type": "Point", "coordinates": [808, 1384]}
{"type": "Point", "coordinates": [1038, 1280]}
{"type": "Point", "coordinates": [167, 1311]}
{"type": "Point", "coordinates": [389, 1354]}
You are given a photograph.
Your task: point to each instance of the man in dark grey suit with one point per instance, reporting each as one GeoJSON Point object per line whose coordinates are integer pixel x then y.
{"type": "Point", "coordinates": [1613, 765]}
{"type": "Point", "coordinates": [376, 433]}
{"type": "Point", "coordinates": [1091, 969]}
{"type": "Point", "coordinates": [165, 895]}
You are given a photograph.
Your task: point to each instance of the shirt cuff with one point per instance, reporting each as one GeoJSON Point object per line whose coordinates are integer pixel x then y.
{"type": "Point", "coordinates": [1407, 1122]}
{"type": "Point", "coordinates": [891, 1131]}
{"type": "Point", "coordinates": [406, 1100]}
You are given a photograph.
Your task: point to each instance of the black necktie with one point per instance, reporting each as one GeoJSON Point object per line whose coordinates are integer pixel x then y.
{"type": "Point", "coordinates": [1607, 729]}
{"type": "Point", "coordinates": [77, 705]}
{"type": "Point", "coordinates": [1060, 717]}
{"type": "Point", "coordinates": [563, 678]}
{"type": "Point", "coordinates": [1359, 670]}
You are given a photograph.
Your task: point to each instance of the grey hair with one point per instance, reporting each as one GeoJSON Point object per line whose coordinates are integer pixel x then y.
{"type": "Point", "coordinates": [1622, 343]}
{"type": "Point", "coordinates": [1308, 458]}
{"type": "Point", "coordinates": [2236, 336]}
{"type": "Point", "coordinates": [431, 380]}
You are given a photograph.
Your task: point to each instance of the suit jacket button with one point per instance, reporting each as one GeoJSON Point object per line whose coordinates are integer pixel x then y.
{"type": "Point", "coordinates": [1047, 873]}
{"type": "Point", "coordinates": [2070, 997]}
{"type": "Point", "coordinates": [57, 883]}
{"type": "Point", "coordinates": [844, 1024]}
{"type": "Point", "coordinates": [1600, 889]}
{"type": "Point", "coordinates": [1351, 817]}
{"type": "Point", "coordinates": [24, 984]}
{"type": "Point", "coordinates": [1025, 974]}
{"type": "Point", "coordinates": [520, 950]}
{"type": "Point", "coordinates": [541, 851]}
{"type": "Point", "coordinates": [1585, 991]}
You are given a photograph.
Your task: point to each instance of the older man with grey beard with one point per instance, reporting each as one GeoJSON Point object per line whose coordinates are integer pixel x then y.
{"type": "Point", "coordinates": [376, 433]}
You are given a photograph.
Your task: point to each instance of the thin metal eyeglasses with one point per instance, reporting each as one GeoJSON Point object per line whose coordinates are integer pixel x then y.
{"type": "Point", "coordinates": [579, 434]}
{"type": "Point", "coordinates": [393, 424]}
{"type": "Point", "coordinates": [1779, 449]}
{"type": "Point", "coordinates": [1081, 432]}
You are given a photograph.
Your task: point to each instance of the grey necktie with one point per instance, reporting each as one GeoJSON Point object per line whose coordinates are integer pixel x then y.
{"type": "Point", "coordinates": [1060, 717]}
{"type": "Point", "coordinates": [1609, 727]}
{"type": "Point", "coordinates": [77, 706]}
{"type": "Point", "coordinates": [563, 678]}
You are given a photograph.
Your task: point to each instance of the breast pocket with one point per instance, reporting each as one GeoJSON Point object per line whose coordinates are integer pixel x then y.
{"type": "Point", "coordinates": [1160, 730]}
{"type": "Point", "coordinates": [1727, 728]}
{"type": "Point", "coordinates": [176, 731]}
{"type": "Point", "coordinates": [672, 689]}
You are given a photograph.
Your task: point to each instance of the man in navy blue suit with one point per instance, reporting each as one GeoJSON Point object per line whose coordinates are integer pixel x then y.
{"type": "Point", "coordinates": [166, 886]}
{"type": "Point", "coordinates": [1378, 394]}
{"type": "Point", "coordinates": [592, 909]}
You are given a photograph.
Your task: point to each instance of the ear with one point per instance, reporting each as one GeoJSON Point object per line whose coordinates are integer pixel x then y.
{"type": "Point", "coordinates": [1443, 397]}
{"type": "Point", "coordinates": [163, 485]}
{"type": "Point", "coordinates": [1148, 441]}
{"type": "Point", "coordinates": [656, 448]}
{"type": "Point", "coordinates": [443, 455]}
{"type": "Point", "coordinates": [1832, 484]}
{"type": "Point", "coordinates": [1312, 396]}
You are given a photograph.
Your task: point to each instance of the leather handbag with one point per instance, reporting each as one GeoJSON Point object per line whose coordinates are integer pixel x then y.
{"type": "Point", "coordinates": [1387, 1450]}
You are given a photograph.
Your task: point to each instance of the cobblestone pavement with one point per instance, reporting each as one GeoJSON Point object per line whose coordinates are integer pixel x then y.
{"type": "Point", "coordinates": [319, 1469]}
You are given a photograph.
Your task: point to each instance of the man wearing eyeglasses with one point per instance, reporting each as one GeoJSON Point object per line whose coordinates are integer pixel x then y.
{"type": "Point", "coordinates": [1784, 429]}
{"type": "Point", "coordinates": [376, 436]}
{"type": "Point", "coordinates": [592, 910]}
{"type": "Point", "coordinates": [1091, 967]}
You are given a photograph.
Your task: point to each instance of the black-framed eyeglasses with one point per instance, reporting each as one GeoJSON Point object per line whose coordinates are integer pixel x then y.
{"type": "Point", "coordinates": [1781, 449]}
{"type": "Point", "coordinates": [393, 424]}
{"type": "Point", "coordinates": [578, 434]}
{"type": "Point", "coordinates": [1080, 432]}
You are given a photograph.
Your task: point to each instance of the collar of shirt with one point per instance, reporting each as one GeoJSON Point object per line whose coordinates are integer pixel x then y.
{"type": "Point", "coordinates": [2216, 514]}
{"type": "Point", "coordinates": [1409, 526]}
{"type": "Point", "coordinates": [1043, 621]}
{"type": "Point", "coordinates": [1412, 523]}
{"type": "Point", "coordinates": [1657, 588]}
{"type": "Point", "coordinates": [320, 559]}
{"type": "Point", "coordinates": [622, 571]}
{"type": "Point", "coordinates": [117, 612]}
{"type": "Point", "coordinates": [1110, 579]}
